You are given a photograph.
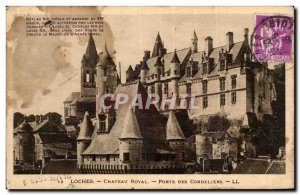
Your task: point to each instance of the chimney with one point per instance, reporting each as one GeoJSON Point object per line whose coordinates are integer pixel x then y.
{"type": "Point", "coordinates": [146, 54]}
{"type": "Point", "coordinates": [208, 45]}
{"type": "Point", "coordinates": [229, 40]}
{"type": "Point", "coordinates": [41, 118]}
{"type": "Point", "coordinates": [246, 35]}
{"type": "Point", "coordinates": [37, 119]}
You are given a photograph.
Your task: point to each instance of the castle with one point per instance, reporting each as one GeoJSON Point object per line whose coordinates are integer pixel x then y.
{"type": "Point", "coordinates": [229, 87]}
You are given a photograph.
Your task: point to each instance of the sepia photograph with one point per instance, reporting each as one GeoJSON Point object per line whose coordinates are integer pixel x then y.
{"type": "Point", "coordinates": [150, 97]}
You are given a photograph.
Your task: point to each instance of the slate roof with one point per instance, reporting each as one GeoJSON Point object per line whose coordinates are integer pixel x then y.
{"type": "Point", "coordinates": [23, 127]}
{"type": "Point", "coordinates": [174, 131]}
{"type": "Point", "coordinates": [131, 129]}
{"type": "Point", "coordinates": [182, 55]}
{"type": "Point", "coordinates": [236, 51]}
{"type": "Point", "coordinates": [61, 166]}
{"type": "Point", "coordinates": [260, 166]}
{"type": "Point", "coordinates": [105, 58]}
{"type": "Point", "coordinates": [149, 122]}
{"type": "Point", "coordinates": [91, 54]}
{"type": "Point", "coordinates": [72, 97]}
{"type": "Point", "coordinates": [157, 46]}
{"type": "Point", "coordinates": [86, 128]}
{"type": "Point", "coordinates": [47, 126]}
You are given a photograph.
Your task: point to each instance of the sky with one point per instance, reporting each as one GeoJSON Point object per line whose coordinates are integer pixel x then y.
{"type": "Point", "coordinates": [44, 72]}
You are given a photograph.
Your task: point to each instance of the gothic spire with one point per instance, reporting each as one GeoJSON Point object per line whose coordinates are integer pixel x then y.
{"type": "Point", "coordinates": [157, 46]}
{"type": "Point", "coordinates": [195, 36]}
{"type": "Point", "coordinates": [91, 54]}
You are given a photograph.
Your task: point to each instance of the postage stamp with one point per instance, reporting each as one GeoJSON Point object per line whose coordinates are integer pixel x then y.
{"type": "Point", "coordinates": [272, 38]}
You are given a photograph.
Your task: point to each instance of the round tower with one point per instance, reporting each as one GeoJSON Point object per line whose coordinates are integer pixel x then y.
{"type": "Point", "coordinates": [175, 72]}
{"type": "Point", "coordinates": [144, 67]}
{"type": "Point", "coordinates": [174, 136]}
{"type": "Point", "coordinates": [84, 137]}
{"type": "Point", "coordinates": [131, 140]}
{"type": "Point", "coordinates": [26, 143]}
{"type": "Point", "coordinates": [175, 65]}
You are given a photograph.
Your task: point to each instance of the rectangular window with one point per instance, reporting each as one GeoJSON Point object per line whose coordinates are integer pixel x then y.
{"type": "Point", "coordinates": [93, 158]}
{"type": "Point", "coordinates": [204, 87]}
{"type": "Point", "coordinates": [205, 69]}
{"type": "Point", "coordinates": [222, 99]}
{"type": "Point", "coordinates": [222, 65]}
{"type": "Point", "coordinates": [205, 102]}
{"type": "Point", "coordinates": [126, 157]}
{"type": "Point", "coordinates": [188, 88]}
{"type": "Point", "coordinates": [107, 157]}
{"type": "Point", "coordinates": [166, 88]}
{"type": "Point", "coordinates": [233, 81]}
{"type": "Point", "coordinates": [222, 84]}
{"type": "Point", "coordinates": [233, 97]}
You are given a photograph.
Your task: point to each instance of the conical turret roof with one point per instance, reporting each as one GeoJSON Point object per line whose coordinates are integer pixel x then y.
{"type": "Point", "coordinates": [175, 58]}
{"type": "Point", "coordinates": [131, 128]}
{"type": "Point", "coordinates": [129, 69]}
{"type": "Point", "coordinates": [86, 128]}
{"type": "Point", "coordinates": [173, 128]}
{"type": "Point", "coordinates": [105, 58]}
{"type": "Point", "coordinates": [91, 54]}
{"type": "Point", "coordinates": [144, 65]}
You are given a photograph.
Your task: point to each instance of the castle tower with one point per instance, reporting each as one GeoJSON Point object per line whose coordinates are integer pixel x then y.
{"type": "Point", "coordinates": [157, 46]}
{"type": "Point", "coordinates": [88, 71]}
{"type": "Point", "coordinates": [144, 66]}
{"type": "Point", "coordinates": [194, 43]}
{"type": "Point", "coordinates": [174, 136]}
{"type": "Point", "coordinates": [84, 137]}
{"type": "Point", "coordinates": [107, 77]}
{"type": "Point", "coordinates": [131, 140]}
{"type": "Point", "coordinates": [175, 73]}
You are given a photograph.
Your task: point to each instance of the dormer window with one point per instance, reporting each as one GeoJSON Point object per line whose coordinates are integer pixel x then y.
{"type": "Point", "coordinates": [188, 71]}
{"type": "Point", "coordinates": [102, 122]}
{"type": "Point", "coordinates": [222, 65]}
{"type": "Point", "coordinates": [205, 68]}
